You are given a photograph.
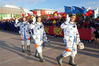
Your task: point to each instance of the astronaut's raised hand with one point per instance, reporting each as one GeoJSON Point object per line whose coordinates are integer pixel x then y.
{"type": "Point", "coordinates": [67, 18]}
{"type": "Point", "coordinates": [16, 21]}
{"type": "Point", "coordinates": [34, 20]}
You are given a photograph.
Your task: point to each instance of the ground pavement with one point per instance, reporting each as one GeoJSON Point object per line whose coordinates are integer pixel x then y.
{"type": "Point", "coordinates": [11, 55]}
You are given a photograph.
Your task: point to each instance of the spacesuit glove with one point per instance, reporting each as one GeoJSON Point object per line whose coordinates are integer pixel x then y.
{"type": "Point", "coordinates": [67, 18]}
{"type": "Point", "coordinates": [16, 21]}
{"type": "Point", "coordinates": [34, 20]}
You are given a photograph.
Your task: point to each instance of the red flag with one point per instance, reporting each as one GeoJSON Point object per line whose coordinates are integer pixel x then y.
{"type": "Point", "coordinates": [35, 12]}
{"type": "Point", "coordinates": [64, 16]}
{"type": "Point", "coordinates": [86, 14]}
{"type": "Point", "coordinates": [90, 12]}
{"type": "Point", "coordinates": [42, 12]}
{"type": "Point", "coordinates": [23, 15]}
{"type": "Point", "coordinates": [64, 13]}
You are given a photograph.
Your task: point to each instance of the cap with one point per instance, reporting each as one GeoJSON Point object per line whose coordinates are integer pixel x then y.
{"type": "Point", "coordinates": [72, 15]}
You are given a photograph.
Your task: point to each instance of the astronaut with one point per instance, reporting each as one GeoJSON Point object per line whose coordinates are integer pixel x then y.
{"type": "Point", "coordinates": [24, 33]}
{"type": "Point", "coordinates": [39, 33]}
{"type": "Point", "coordinates": [71, 39]}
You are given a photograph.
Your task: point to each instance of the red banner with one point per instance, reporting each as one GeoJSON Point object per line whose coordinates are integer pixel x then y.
{"type": "Point", "coordinates": [47, 29]}
{"type": "Point", "coordinates": [57, 31]}
{"type": "Point", "coordinates": [85, 34]}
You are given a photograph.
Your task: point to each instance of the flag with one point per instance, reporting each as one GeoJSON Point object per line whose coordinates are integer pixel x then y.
{"type": "Point", "coordinates": [68, 9]}
{"type": "Point", "coordinates": [76, 10]}
{"type": "Point", "coordinates": [84, 10]}
{"type": "Point", "coordinates": [34, 12]}
{"type": "Point", "coordinates": [29, 14]}
{"type": "Point", "coordinates": [90, 12]}
{"type": "Point", "coordinates": [73, 10]}
{"type": "Point", "coordinates": [23, 15]}
{"type": "Point", "coordinates": [42, 12]}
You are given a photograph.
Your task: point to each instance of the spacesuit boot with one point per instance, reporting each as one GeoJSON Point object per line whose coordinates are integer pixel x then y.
{"type": "Point", "coordinates": [71, 61]}
{"type": "Point", "coordinates": [28, 50]}
{"type": "Point", "coordinates": [59, 59]}
{"type": "Point", "coordinates": [41, 57]}
{"type": "Point", "coordinates": [36, 54]}
{"type": "Point", "coordinates": [23, 48]}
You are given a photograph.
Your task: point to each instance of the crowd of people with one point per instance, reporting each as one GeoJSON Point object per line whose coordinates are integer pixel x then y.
{"type": "Point", "coordinates": [8, 25]}
{"type": "Point", "coordinates": [55, 19]}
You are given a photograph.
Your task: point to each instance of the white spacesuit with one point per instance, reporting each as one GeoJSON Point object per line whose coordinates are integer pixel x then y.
{"type": "Point", "coordinates": [38, 36]}
{"type": "Point", "coordinates": [71, 39]}
{"type": "Point", "coordinates": [70, 36]}
{"type": "Point", "coordinates": [24, 33]}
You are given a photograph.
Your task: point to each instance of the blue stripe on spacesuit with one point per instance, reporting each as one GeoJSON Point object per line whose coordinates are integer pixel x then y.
{"type": "Point", "coordinates": [73, 43]}
{"type": "Point", "coordinates": [64, 31]}
{"type": "Point", "coordinates": [24, 35]}
{"type": "Point", "coordinates": [65, 42]}
{"type": "Point", "coordinates": [41, 39]}
{"type": "Point", "coordinates": [74, 39]}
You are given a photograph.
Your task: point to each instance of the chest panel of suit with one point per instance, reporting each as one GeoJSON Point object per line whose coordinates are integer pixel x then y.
{"type": "Point", "coordinates": [70, 30]}
{"type": "Point", "coordinates": [24, 27]}
{"type": "Point", "coordinates": [39, 29]}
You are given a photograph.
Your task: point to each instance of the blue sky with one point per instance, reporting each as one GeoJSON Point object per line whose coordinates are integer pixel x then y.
{"type": "Point", "coordinates": [51, 4]}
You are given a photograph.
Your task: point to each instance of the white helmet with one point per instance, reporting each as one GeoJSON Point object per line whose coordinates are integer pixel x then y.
{"type": "Point", "coordinates": [81, 45]}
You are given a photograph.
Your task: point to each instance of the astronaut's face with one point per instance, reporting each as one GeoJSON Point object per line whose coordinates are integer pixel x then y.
{"type": "Point", "coordinates": [39, 19]}
{"type": "Point", "coordinates": [24, 19]}
{"type": "Point", "coordinates": [73, 18]}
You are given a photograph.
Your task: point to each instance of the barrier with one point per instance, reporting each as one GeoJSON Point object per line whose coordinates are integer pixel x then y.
{"type": "Point", "coordinates": [85, 34]}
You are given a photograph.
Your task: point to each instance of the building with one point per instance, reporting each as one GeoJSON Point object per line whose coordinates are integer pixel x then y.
{"type": "Point", "coordinates": [43, 11]}
{"type": "Point", "coordinates": [9, 11]}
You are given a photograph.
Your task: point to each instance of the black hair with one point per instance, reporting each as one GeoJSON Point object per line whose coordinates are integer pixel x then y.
{"type": "Point", "coordinates": [72, 15]}
{"type": "Point", "coordinates": [37, 17]}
